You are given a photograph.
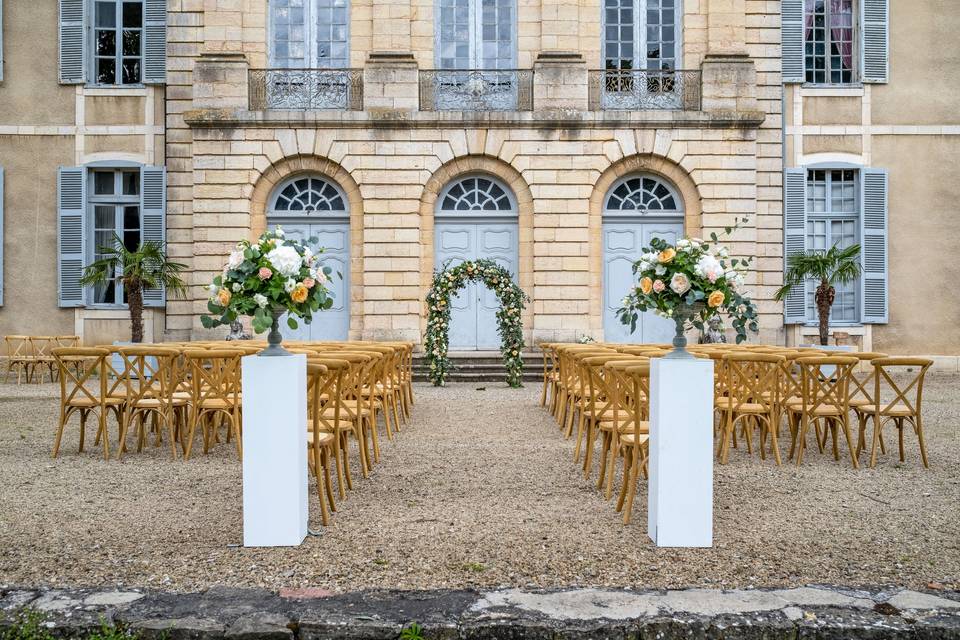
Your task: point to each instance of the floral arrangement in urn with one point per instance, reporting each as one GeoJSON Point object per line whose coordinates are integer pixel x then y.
{"type": "Point", "coordinates": [266, 279]}
{"type": "Point", "coordinates": [689, 283]}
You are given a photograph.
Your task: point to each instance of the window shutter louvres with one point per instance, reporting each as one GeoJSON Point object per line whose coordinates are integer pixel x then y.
{"type": "Point", "coordinates": [71, 213]}
{"type": "Point", "coordinates": [795, 233]}
{"type": "Point", "coordinates": [791, 40]}
{"type": "Point", "coordinates": [875, 40]}
{"type": "Point", "coordinates": [873, 250]}
{"type": "Point", "coordinates": [153, 190]}
{"type": "Point", "coordinates": [155, 42]}
{"type": "Point", "coordinates": [71, 42]}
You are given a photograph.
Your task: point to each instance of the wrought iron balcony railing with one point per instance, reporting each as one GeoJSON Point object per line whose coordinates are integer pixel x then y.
{"type": "Point", "coordinates": [305, 89]}
{"type": "Point", "coordinates": [476, 90]}
{"type": "Point", "coordinates": [638, 89]}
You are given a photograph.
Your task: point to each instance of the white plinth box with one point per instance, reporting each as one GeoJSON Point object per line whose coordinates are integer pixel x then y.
{"type": "Point", "coordinates": [274, 450]}
{"type": "Point", "coordinates": [680, 503]}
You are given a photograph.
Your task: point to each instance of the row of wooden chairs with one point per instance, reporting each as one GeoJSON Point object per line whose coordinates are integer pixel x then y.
{"type": "Point", "coordinates": [180, 386]}
{"type": "Point", "coordinates": [32, 355]}
{"type": "Point", "coordinates": [600, 392]}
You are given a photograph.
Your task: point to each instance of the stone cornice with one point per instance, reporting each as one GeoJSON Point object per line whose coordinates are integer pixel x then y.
{"type": "Point", "coordinates": [553, 119]}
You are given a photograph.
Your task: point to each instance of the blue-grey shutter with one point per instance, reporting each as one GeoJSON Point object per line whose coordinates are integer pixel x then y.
{"type": "Point", "coordinates": [71, 236]}
{"type": "Point", "coordinates": [876, 37]}
{"type": "Point", "coordinates": [153, 198]}
{"type": "Point", "coordinates": [71, 42]}
{"type": "Point", "coordinates": [155, 42]}
{"type": "Point", "coordinates": [873, 250]}
{"type": "Point", "coordinates": [1, 39]}
{"type": "Point", "coordinates": [1, 236]}
{"type": "Point", "coordinates": [794, 237]}
{"type": "Point", "coordinates": [791, 40]}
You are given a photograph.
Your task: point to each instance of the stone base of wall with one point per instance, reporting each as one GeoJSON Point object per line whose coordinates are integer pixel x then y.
{"type": "Point", "coordinates": [316, 614]}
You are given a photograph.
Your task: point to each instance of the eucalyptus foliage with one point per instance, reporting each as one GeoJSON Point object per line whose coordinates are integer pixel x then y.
{"type": "Point", "coordinates": [448, 281]}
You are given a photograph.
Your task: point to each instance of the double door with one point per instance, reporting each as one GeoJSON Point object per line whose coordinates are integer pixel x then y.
{"type": "Point", "coordinates": [334, 238]}
{"type": "Point", "coordinates": [623, 242]}
{"type": "Point", "coordinates": [473, 321]}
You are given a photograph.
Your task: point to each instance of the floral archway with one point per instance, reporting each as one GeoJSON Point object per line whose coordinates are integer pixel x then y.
{"type": "Point", "coordinates": [448, 281]}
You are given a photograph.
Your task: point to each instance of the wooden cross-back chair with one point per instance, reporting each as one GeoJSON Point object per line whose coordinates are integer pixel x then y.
{"type": "Point", "coordinates": [573, 384]}
{"type": "Point", "coordinates": [41, 348]}
{"type": "Point", "coordinates": [383, 388]}
{"type": "Point", "coordinates": [824, 402]}
{"type": "Point", "coordinates": [862, 380]}
{"type": "Point", "coordinates": [360, 401]}
{"type": "Point", "coordinates": [351, 401]}
{"type": "Point", "coordinates": [214, 395]}
{"type": "Point", "coordinates": [84, 390]}
{"type": "Point", "coordinates": [625, 407]}
{"type": "Point", "coordinates": [320, 443]}
{"type": "Point", "coordinates": [328, 414]}
{"type": "Point", "coordinates": [550, 374]}
{"type": "Point", "coordinates": [750, 385]}
{"type": "Point", "coordinates": [634, 444]}
{"type": "Point", "coordinates": [905, 406]}
{"type": "Point", "coordinates": [149, 380]}
{"type": "Point", "coordinates": [19, 356]}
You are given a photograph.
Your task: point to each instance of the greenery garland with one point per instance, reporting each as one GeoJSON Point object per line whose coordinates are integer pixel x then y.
{"type": "Point", "coordinates": [448, 281]}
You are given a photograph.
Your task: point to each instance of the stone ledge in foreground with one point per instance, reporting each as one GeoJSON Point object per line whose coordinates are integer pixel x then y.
{"type": "Point", "coordinates": [314, 614]}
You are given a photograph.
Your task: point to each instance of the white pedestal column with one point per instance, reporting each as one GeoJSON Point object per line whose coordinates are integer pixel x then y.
{"type": "Point", "coordinates": [680, 503]}
{"type": "Point", "coordinates": [274, 450]}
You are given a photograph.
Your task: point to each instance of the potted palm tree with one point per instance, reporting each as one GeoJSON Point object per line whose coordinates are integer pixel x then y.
{"type": "Point", "coordinates": [146, 268]}
{"type": "Point", "coordinates": [829, 268]}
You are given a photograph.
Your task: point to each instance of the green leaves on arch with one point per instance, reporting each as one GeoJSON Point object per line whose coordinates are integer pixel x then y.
{"type": "Point", "coordinates": [449, 280]}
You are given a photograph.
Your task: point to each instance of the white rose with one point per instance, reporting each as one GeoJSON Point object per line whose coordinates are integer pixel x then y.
{"type": "Point", "coordinates": [709, 267]}
{"type": "Point", "coordinates": [235, 259]}
{"type": "Point", "coordinates": [260, 299]}
{"type": "Point", "coordinates": [285, 260]}
{"type": "Point", "coordinates": [321, 277]}
{"type": "Point", "coordinates": [660, 270]}
{"type": "Point", "coordinates": [289, 285]}
{"type": "Point", "coordinates": [278, 231]}
{"type": "Point", "coordinates": [236, 287]}
{"type": "Point", "coordinates": [680, 283]}
{"type": "Point", "coordinates": [213, 288]}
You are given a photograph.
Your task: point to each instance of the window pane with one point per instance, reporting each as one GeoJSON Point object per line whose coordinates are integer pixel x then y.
{"type": "Point", "coordinates": [131, 43]}
{"type": "Point", "coordinates": [103, 183]}
{"type": "Point", "coordinates": [132, 14]}
{"type": "Point", "coordinates": [106, 14]}
{"type": "Point", "coordinates": [131, 218]}
{"type": "Point", "coordinates": [131, 183]}
{"type": "Point", "coordinates": [103, 220]}
{"type": "Point", "coordinates": [106, 71]}
{"type": "Point", "coordinates": [106, 44]}
{"type": "Point", "coordinates": [131, 70]}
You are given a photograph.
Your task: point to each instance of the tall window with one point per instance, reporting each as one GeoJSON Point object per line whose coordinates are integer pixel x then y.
{"type": "Point", "coordinates": [640, 34]}
{"type": "Point", "coordinates": [828, 41]}
{"type": "Point", "coordinates": [118, 41]}
{"type": "Point", "coordinates": [476, 34]}
{"type": "Point", "coordinates": [115, 204]}
{"type": "Point", "coordinates": [310, 34]}
{"type": "Point", "coordinates": [833, 218]}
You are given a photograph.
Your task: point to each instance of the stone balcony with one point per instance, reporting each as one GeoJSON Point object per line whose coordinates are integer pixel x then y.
{"type": "Point", "coordinates": [391, 90]}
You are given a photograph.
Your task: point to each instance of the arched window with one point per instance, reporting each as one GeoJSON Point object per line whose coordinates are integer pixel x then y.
{"type": "Point", "coordinates": [477, 193]}
{"type": "Point", "coordinates": [306, 195]}
{"type": "Point", "coordinates": [642, 194]}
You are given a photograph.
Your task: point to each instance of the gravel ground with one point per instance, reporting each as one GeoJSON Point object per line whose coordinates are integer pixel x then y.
{"type": "Point", "coordinates": [479, 490]}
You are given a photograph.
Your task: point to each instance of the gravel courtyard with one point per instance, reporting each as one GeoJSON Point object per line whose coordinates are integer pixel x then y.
{"type": "Point", "coordinates": [479, 490]}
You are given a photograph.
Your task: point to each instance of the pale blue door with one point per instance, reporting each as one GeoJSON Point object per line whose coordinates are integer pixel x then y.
{"type": "Point", "coordinates": [623, 242]}
{"type": "Point", "coordinates": [473, 322]}
{"type": "Point", "coordinates": [334, 238]}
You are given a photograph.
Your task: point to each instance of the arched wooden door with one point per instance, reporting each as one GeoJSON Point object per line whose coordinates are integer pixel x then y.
{"type": "Point", "coordinates": [476, 217]}
{"type": "Point", "coordinates": [637, 209]}
{"type": "Point", "coordinates": [314, 209]}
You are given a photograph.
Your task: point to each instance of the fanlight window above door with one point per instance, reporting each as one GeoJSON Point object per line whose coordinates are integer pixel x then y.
{"type": "Point", "coordinates": [476, 193]}
{"type": "Point", "coordinates": [639, 194]}
{"type": "Point", "coordinates": [308, 195]}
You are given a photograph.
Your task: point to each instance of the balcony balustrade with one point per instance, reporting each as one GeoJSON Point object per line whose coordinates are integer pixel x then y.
{"type": "Point", "coordinates": [641, 89]}
{"type": "Point", "coordinates": [306, 89]}
{"type": "Point", "coordinates": [476, 90]}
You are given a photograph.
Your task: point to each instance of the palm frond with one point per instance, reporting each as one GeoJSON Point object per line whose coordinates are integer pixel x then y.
{"type": "Point", "coordinates": [835, 265]}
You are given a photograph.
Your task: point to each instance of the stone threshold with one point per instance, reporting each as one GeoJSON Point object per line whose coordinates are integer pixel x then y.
{"type": "Point", "coordinates": [315, 614]}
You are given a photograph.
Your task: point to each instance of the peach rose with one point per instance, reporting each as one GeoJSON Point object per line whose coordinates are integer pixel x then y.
{"type": "Point", "coordinates": [646, 285]}
{"type": "Point", "coordinates": [264, 273]}
{"type": "Point", "coordinates": [716, 299]}
{"type": "Point", "coordinates": [309, 282]}
{"type": "Point", "coordinates": [667, 255]}
{"type": "Point", "coordinates": [299, 293]}
{"type": "Point", "coordinates": [659, 286]}
{"type": "Point", "coordinates": [223, 297]}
